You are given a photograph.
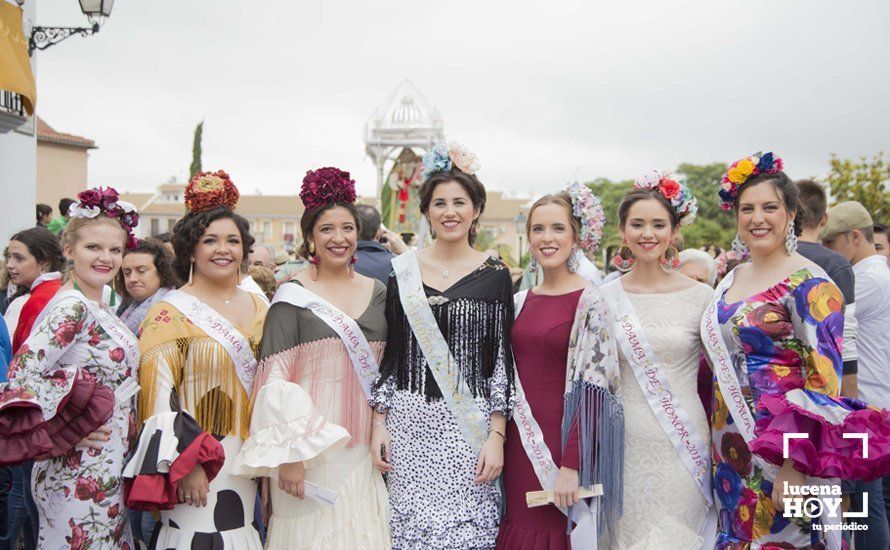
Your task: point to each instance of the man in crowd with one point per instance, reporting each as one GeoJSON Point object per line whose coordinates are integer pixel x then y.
{"type": "Point", "coordinates": [376, 247]}
{"type": "Point", "coordinates": [262, 255]}
{"type": "Point", "coordinates": [58, 224]}
{"type": "Point", "coordinates": [850, 232]}
{"type": "Point", "coordinates": [882, 245]}
{"type": "Point", "coordinates": [813, 208]}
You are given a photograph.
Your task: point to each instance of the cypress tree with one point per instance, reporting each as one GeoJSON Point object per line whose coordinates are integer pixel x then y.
{"type": "Point", "coordinates": [196, 151]}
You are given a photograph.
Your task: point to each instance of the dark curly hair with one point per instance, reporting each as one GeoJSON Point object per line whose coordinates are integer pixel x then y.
{"type": "Point", "coordinates": [785, 188]}
{"type": "Point", "coordinates": [190, 228]}
{"type": "Point", "coordinates": [162, 260]}
{"type": "Point", "coordinates": [635, 195]}
{"type": "Point", "coordinates": [43, 245]}
{"type": "Point", "coordinates": [310, 218]}
{"type": "Point", "coordinates": [469, 182]}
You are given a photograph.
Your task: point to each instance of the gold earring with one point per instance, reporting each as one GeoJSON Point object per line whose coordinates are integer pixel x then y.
{"type": "Point", "coordinates": [191, 272]}
{"type": "Point", "coordinates": [311, 247]}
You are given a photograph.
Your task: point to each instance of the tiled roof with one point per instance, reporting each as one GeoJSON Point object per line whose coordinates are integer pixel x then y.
{"type": "Point", "coordinates": [46, 134]}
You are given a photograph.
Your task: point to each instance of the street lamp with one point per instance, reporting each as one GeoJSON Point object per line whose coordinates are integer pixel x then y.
{"type": "Point", "coordinates": [95, 10]}
{"type": "Point", "coordinates": [520, 229]}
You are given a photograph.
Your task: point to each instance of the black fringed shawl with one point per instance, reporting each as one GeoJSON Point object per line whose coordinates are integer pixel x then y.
{"type": "Point", "coordinates": [475, 316]}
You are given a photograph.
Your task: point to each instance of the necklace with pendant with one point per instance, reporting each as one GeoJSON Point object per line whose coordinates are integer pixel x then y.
{"type": "Point", "coordinates": [446, 272]}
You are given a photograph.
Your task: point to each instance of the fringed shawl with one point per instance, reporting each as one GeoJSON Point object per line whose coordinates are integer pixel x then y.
{"type": "Point", "coordinates": [593, 406]}
{"type": "Point", "coordinates": [204, 380]}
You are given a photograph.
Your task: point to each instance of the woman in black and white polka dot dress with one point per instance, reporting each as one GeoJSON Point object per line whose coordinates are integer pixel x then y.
{"type": "Point", "coordinates": [443, 493]}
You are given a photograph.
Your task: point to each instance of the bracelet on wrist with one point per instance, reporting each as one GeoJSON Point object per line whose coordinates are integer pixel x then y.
{"type": "Point", "coordinates": [492, 430]}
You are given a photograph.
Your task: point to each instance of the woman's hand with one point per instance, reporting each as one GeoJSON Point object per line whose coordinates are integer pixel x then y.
{"type": "Point", "coordinates": [786, 474]}
{"type": "Point", "coordinates": [96, 439]}
{"type": "Point", "coordinates": [565, 492]}
{"type": "Point", "coordinates": [491, 459]}
{"type": "Point", "coordinates": [193, 488]}
{"type": "Point", "coordinates": [380, 446]}
{"type": "Point", "coordinates": [290, 479]}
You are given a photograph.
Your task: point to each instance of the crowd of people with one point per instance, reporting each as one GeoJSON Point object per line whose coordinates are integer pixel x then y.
{"type": "Point", "coordinates": [196, 390]}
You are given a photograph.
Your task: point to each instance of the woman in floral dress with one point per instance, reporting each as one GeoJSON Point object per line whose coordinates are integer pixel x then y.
{"type": "Point", "coordinates": [773, 332]}
{"type": "Point", "coordinates": [71, 398]}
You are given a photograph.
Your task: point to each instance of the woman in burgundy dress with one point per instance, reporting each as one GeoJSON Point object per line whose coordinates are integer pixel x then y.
{"type": "Point", "coordinates": [561, 324]}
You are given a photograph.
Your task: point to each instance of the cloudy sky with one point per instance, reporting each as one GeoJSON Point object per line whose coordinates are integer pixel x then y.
{"type": "Point", "coordinates": [544, 91]}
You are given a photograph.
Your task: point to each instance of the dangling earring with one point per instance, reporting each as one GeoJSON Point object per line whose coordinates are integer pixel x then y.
{"type": "Point", "coordinates": [313, 259]}
{"type": "Point", "coordinates": [532, 264]}
{"type": "Point", "coordinates": [191, 272]}
{"type": "Point", "coordinates": [739, 246]}
{"type": "Point", "coordinates": [474, 229]}
{"type": "Point", "coordinates": [790, 239]}
{"type": "Point", "coordinates": [70, 264]}
{"type": "Point", "coordinates": [671, 260]}
{"type": "Point", "coordinates": [623, 260]}
{"type": "Point", "coordinates": [352, 261]}
{"type": "Point", "coordinates": [574, 262]}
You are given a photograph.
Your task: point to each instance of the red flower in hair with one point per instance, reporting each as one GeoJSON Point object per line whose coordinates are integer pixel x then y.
{"type": "Point", "coordinates": [325, 186]}
{"type": "Point", "coordinates": [207, 190]}
{"type": "Point", "coordinates": [669, 188]}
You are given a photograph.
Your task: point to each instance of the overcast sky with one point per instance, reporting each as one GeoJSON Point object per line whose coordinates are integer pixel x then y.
{"type": "Point", "coordinates": [544, 91]}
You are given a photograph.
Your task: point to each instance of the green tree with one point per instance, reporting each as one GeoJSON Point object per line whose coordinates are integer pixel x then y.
{"type": "Point", "coordinates": [712, 224]}
{"type": "Point", "coordinates": [864, 181]}
{"type": "Point", "coordinates": [195, 167]}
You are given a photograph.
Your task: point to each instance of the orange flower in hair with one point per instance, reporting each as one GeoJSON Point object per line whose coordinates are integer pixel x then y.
{"type": "Point", "coordinates": [207, 190]}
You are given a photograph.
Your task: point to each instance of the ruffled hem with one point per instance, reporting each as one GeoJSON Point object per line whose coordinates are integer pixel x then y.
{"type": "Point", "coordinates": [25, 435]}
{"type": "Point", "coordinates": [417, 528]}
{"type": "Point", "coordinates": [154, 471]}
{"type": "Point", "coordinates": [304, 437]}
{"type": "Point", "coordinates": [825, 453]}
{"type": "Point", "coordinates": [513, 537]}
{"type": "Point", "coordinates": [360, 520]}
{"type": "Point", "coordinates": [243, 538]}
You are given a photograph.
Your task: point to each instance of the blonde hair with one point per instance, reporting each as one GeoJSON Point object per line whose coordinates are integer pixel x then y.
{"type": "Point", "coordinates": [561, 199]}
{"type": "Point", "coordinates": [71, 234]}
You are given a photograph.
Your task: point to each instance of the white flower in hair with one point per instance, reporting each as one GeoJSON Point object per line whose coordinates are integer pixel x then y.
{"type": "Point", "coordinates": [78, 211]}
{"type": "Point", "coordinates": [463, 158]}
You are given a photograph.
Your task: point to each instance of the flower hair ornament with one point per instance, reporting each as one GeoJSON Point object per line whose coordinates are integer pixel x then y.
{"type": "Point", "coordinates": [322, 187]}
{"type": "Point", "coordinates": [675, 191]}
{"type": "Point", "coordinates": [741, 171]}
{"type": "Point", "coordinates": [107, 201]}
{"type": "Point", "coordinates": [444, 158]}
{"type": "Point", "coordinates": [326, 186]}
{"type": "Point", "coordinates": [207, 190]}
{"type": "Point", "coordinates": [588, 208]}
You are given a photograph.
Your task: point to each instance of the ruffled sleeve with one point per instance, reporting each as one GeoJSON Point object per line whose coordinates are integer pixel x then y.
{"type": "Point", "coordinates": [171, 443]}
{"type": "Point", "coordinates": [816, 307]}
{"type": "Point", "coordinates": [50, 404]}
{"type": "Point", "coordinates": [286, 427]}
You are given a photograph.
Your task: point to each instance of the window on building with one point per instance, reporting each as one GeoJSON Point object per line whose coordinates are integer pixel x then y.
{"type": "Point", "coordinates": [170, 223]}
{"type": "Point", "coordinates": [267, 230]}
{"type": "Point", "coordinates": [155, 226]}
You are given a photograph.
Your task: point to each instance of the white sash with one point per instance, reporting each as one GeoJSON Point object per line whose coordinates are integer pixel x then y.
{"type": "Point", "coordinates": [721, 362]}
{"type": "Point", "coordinates": [221, 330]}
{"type": "Point", "coordinates": [363, 360]}
{"type": "Point", "coordinates": [584, 535]}
{"type": "Point", "coordinates": [472, 421]}
{"type": "Point", "coordinates": [691, 447]}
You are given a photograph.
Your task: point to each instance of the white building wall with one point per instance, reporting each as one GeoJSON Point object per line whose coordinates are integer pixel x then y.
{"type": "Point", "coordinates": [18, 168]}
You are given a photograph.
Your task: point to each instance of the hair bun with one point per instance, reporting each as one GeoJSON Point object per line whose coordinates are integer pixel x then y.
{"type": "Point", "coordinates": [207, 190]}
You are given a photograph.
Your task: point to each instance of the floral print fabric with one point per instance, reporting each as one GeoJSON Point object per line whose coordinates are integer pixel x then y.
{"type": "Point", "coordinates": [788, 337]}
{"type": "Point", "coordinates": [79, 494]}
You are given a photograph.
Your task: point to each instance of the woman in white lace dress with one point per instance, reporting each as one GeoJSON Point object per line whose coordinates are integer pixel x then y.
{"type": "Point", "coordinates": [656, 313]}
